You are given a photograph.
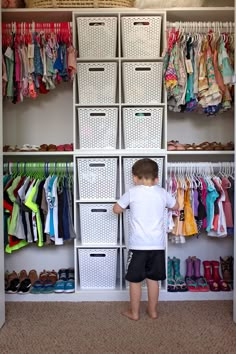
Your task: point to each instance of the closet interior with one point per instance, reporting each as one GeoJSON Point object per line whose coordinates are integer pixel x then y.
{"type": "Point", "coordinates": [122, 100]}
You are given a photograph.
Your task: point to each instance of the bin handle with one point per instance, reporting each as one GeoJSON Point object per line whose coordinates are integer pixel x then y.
{"type": "Point", "coordinates": [141, 114]}
{"type": "Point", "coordinates": [97, 114]}
{"type": "Point", "coordinates": [96, 69]}
{"type": "Point", "coordinates": [97, 255]}
{"type": "Point", "coordinates": [97, 164]}
{"type": "Point", "coordinates": [98, 210]}
{"type": "Point", "coordinates": [143, 69]}
{"type": "Point", "coordinates": [96, 23]}
{"type": "Point", "coordinates": [143, 23]}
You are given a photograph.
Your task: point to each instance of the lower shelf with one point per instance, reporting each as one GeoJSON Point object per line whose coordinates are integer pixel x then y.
{"type": "Point", "coordinates": [117, 295]}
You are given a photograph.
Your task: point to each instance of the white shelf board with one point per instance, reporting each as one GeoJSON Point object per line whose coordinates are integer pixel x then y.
{"type": "Point", "coordinates": [200, 152]}
{"type": "Point", "coordinates": [198, 296]}
{"type": "Point", "coordinates": [95, 201]}
{"type": "Point", "coordinates": [120, 152]}
{"type": "Point", "coordinates": [96, 105]}
{"type": "Point", "coordinates": [143, 105]}
{"type": "Point", "coordinates": [145, 59]}
{"type": "Point", "coordinates": [95, 246]}
{"type": "Point", "coordinates": [39, 153]}
{"type": "Point", "coordinates": [81, 60]}
{"type": "Point", "coordinates": [118, 295]}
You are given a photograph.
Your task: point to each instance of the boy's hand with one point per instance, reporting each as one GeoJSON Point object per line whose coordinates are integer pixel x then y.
{"type": "Point", "coordinates": [117, 209]}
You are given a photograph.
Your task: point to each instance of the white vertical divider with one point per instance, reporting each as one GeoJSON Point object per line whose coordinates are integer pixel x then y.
{"type": "Point", "coordinates": [164, 146]}
{"type": "Point", "coordinates": [119, 146]}
{"type": "Point", "coordinates": [75, 139]}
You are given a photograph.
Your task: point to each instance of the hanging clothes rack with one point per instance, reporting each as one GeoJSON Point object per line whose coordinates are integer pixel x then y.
{"type": "Point", "coordinates": [203, 27]}
{"type": "Point", "coordinates": [205, 193]}
{"type": "Point", "coordinates": [36, 57]}
{"type": "Point", "coordinates": [45, 167]}
{"type": "Point", "coordinates": [199, 66]}
{"type": "Point", "coordinates": [38, 199]}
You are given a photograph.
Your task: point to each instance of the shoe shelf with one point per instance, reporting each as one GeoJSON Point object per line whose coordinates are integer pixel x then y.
{"type": "Point", "coordinates": [199, 152]}
{"type": "Point", "coordinates": [45, 153]}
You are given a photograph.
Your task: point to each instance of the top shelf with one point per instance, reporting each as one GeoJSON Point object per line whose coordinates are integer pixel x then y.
{"type": "Point", "coordinates": [65, 14]}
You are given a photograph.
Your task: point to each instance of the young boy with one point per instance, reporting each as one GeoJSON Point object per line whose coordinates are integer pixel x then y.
{"type": "Point", "coordinates": [146, 257]}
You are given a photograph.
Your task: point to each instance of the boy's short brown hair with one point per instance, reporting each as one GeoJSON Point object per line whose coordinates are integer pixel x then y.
{"type": "Point", "coordinates": [145, 168]}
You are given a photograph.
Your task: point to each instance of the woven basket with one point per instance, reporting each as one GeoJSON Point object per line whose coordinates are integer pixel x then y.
{"type": "Point", "coordinates": [79, 3]}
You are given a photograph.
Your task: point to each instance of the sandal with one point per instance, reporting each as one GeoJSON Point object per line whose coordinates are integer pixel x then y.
{"type": "Point", "coordinates": [43, 147]}
{"type": "Point", "coordinates": [202, 284]}
{"type": "Point", "coordinates": [171, 146]}
{"type": "Point", "coordinates": [60, 148]}
{"type": "Point", "coordinates": [68, 147]}
{"type": "Point", "coordinates": [52, 276]}
{"type": "Point", "coordinates": [52, 147]}
{"type": "Point", "coordinates": [171, 286]}
{"type": "Point", "coordinates": [43, 276]}
{"type": "Point", "coordinates": [191, 285]}
{"type": "Point", "coordinates": [181, 284]}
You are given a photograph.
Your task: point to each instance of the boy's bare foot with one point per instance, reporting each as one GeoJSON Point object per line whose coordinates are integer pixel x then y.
{"type": "Point", "coordinates": [152, 314]}
{"type": "Point", "coordinates": [130, 315]}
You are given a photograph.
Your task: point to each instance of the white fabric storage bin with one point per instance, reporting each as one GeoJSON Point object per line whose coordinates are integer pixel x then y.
{"type": "Point", "coordinates": [97, 128]}
{"type": "Point", "coordinates": [97, 82]}
{"type": "Point", "coordinates": [127, 168]}
{"type": "Point", "coordinates": [98, 223]}
{"type": "Point", "coordinates": [142, 127]}
{"type": "Point", "coordinates": [97, 37]}
{"type": "Point", "coordinates": [97, 268]}
{"type": "Point", "coordinates": [141, 36]}
{"type": "Point", "coordinates": [142, 82]}
{"type": "Point", "coordinates": [97, 178]}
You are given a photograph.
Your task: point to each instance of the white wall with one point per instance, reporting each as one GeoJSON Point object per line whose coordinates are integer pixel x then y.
{"type": "Point", "coordinates": [46, 120]}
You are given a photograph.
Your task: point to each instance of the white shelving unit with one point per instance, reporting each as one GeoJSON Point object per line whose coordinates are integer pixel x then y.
{"type": "Point", "coordinates": [62, 107]}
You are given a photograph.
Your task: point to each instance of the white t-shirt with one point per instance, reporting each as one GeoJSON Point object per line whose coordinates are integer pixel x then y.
{"type": "Point", "coordinates": [147, 209]}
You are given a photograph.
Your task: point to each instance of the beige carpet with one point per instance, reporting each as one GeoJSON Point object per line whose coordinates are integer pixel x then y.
{"type": "Point", "coordinates": [66, 328]}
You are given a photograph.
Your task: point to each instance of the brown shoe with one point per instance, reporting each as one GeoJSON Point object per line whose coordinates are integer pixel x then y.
{"type": "Point", "coordinates": [23, 275]}
{"type": "Point", "coordinates": [43, 276]}
{"type": "Point", "coordinates": [53, 276]}
{"type": "Point", "coordinates": [9, 277]}
{"type": "Point", "coordinates": [33, 276]}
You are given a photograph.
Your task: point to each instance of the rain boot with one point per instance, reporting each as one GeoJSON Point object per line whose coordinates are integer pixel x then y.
{"type": "Point", "coordinates": [180, 282]}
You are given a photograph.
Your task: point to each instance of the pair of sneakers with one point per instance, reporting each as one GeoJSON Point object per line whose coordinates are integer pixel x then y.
{"type": "Point", "coordinates": [20, 283]}
{"type": "Point", "coordinates": [66, 281]}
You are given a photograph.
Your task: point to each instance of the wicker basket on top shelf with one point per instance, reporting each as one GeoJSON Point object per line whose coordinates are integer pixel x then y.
{"type": "Point", "coordinates": [79, 3]}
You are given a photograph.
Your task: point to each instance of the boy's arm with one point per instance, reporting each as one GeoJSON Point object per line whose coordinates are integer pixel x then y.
{"type": "Point", "coordinates": [175, 207]}
{"type": "Point", "coordinates": [171, 202]}
{"type": "Point", "coordinates": [117, 209]}
{"type": "Point", "coordinates": [122, 204]}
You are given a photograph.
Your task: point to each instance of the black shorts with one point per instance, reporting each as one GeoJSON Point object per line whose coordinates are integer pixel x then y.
{"type": "Point", "coordinates": [145, 264]}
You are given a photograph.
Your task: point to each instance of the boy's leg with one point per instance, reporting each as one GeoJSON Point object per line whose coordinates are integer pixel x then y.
{"type": "Point", "coordinates": [135, 298]}
{"type": "Point", "coordinates": [153, 294]}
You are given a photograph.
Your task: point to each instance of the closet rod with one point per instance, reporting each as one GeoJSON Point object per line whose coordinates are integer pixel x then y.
{"type": "Point", "coordinates": [197, 25]}
{"type": "Point", "coordinates": [48, 167]}
{"type": "Point", "coordinates": [196, 166]}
